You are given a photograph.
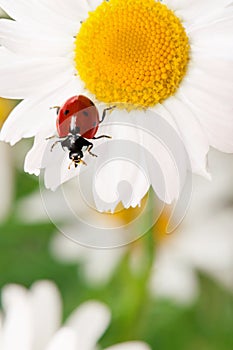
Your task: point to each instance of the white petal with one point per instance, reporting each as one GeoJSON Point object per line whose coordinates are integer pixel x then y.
{"type": "Point", "coordinates": [214, 110]}
{"type": "Point", "coordinates": [39, 15]}
{"type": "Point", "coordinates": [18, 322]}
{"type": "Point", "coordinates": [22, 40]}
{"type": "Point", "coordinates": [209, 247]}
{"type": "Point", "coordinates": [208, 196]}
{"type": "Point", "coordinates": [33, 208]}
{"type": "Point", "coordinates": [94, 3]}
{"type": "Point", "coordinates": [55, 163]}
{"type": "Point", "coordinates": [65, 338]}
{"type": "Point", "coordinates": [57, 168]}
{"type": "Point", "coordinates": [121, 169]}
{"type": "Point", "coordinates": [34, 158]}
{"type": "Point", "coordinates": [7, 181]}
{"type": "Point", "coordinates": [218, 84]}
{"type": "Point", "coordinates": [140, 142]}
{"type": "Point", "coordinates": [89, 322]}
{"type": "Point", "coordinates": [98, 264]}
{"type": "Point", "coordinates": [22, 77]}
{"type": "Point", "coordinates": [134, 345]}
{"type": "Point", "coordinates": [65, 250]}
{"type": "Point", "coordinates": [166, 155]}
{"type": "Point", "coordinates": [196, 10]}
{"type": "Point", "coordinates": [221, 29]}
{"type": "Point", "coordinates": [176, 4]}
{"type": "Point", "coordinates": [191, 131]}
{"type": "Point", "coordinates": [71, 9]}
{"type": "Point", "coordinates": [213, 40]}
{"type": "Point", "coordinates": [172, 279]}
{"type": "Point", "coordinates": [35, 114]}
{"type": "Point", "coordinates": [46, 312]}
{"type": "Point", "coordinates": [124, 182]}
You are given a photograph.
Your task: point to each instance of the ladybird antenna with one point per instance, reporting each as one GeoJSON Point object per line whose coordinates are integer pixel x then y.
{"type": "Point", "coordinates": [54, 107]}
{"type": "Point", "coordinates": [80, 161]}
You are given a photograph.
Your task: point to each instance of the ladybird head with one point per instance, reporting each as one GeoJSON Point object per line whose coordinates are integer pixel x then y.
{"type": "Point", "coordinates": [76, 159]}
{"type": "Point", "coordinates": [76, 156]}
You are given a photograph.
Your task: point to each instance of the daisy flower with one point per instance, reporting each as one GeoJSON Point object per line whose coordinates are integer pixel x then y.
{"type": "Point", "coordinates": [28, 325]}
{"type": "Point", "coordinates": [165, 65]}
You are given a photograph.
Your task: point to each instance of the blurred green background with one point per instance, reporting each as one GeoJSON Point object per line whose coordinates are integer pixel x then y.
{"type": "Point", "coordinates": [206, 323]}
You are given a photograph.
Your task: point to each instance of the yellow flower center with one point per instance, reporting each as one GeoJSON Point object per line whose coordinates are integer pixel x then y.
{"type": "Point", "coordinates": [133, 52]}
{"type": "Point", "coordinates": [6, 107]}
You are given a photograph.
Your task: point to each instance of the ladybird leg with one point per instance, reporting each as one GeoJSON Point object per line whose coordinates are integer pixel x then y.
{"type": "Point", "coordinates": [50, 137]}
{"type": "Point", "coordinates": [101, 136]}
{"type": "Point", "coordinates": [56, 107]}
{"type": "Point", "coordinates": [54, 144]}
{"type": "Point", "coordinates": [60, 140]}
{"type": "Point", "coordinates": [89, 151]}
{"type": "Point", "coordinates": [105, 112]}
{"type": "Point", "coordinates": [54, 136]}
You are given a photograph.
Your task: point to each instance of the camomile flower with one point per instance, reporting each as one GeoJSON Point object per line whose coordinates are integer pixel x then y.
{"type": "Point", "coordinates": [166, 67]}
{"type": "Point", "coordinates": [32, 321]}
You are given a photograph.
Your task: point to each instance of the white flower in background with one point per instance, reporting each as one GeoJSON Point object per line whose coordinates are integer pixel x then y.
{"type": "Point", "coordinates": [35, 208]}
{"type": "Point", "coordinates": [7, 169]}
{"type": "Point", "coordinates": [203, 241]}
{"type": "Point", "coordinates": [207, 248]}
{"type": "Point", "coordinates": [97, 265]}
{"type": "Point", "coordinates": [31, 320]}
{"type": "Point", "coordinates": [173, 58]}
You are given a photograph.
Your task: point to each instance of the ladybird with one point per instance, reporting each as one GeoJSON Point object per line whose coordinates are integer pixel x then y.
{"type": "Point", "coordinates": [77, 122]}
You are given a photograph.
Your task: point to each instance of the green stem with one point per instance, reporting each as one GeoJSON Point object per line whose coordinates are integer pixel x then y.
{"type": "Point", "coordinates": [135, 296]}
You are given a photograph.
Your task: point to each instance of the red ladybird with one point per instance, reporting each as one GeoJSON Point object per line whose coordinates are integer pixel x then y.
{"type": "Point", "coordinates": [77, 121]}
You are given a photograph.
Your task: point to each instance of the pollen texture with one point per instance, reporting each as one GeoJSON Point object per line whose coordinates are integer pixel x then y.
{"type": "Point", "coordinates": [133, 52]}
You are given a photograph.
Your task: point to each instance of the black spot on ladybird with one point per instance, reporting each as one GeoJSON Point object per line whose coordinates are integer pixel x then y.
{"type": "Point", "coordinates": [66, 112]}
{"type": "Point", "coordinates": [85, 113]}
